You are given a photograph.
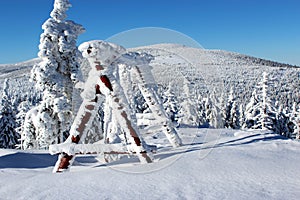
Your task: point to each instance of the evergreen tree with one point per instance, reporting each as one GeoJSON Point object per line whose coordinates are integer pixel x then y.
{"type": "Point", "coordinates": [281, 122]}
{"type": "Point", "coordinates": [229, 112]}
{"type": "Point", "coordinates": [187, 111]}
{"type": "Point", "coordinates": [294, 123]}
{"type": "Point", "coordinates": [267, 112]}
{"type": "Point", "coordinates": [251, 111]}
{"type": "Point", "coordinates": [201, 110]}
{"type": "Point", "coordinates": [170, 104]}
{"type": "Point", "coordinates": [8, 135]}
{"type": "Point", "coordinates": [28, 136]}
{"type": "Point", "coordinates": [297, 128]}
{"type": "Point", "coordinates": [22, 109]}
{"type": "Point", "coordinates": [213, 113]}
{"type": "Point", "coordinates": [56, 75]}
{"type": "Point", "coordinates": [236, 115]}
{"type": "Point", "coordinates": [242, 115]}
{"type": "Point", "coordinates": [260, 112]}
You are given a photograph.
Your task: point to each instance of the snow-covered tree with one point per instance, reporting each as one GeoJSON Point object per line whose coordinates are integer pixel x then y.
{"type": "Point", "coordinates": [8, 135]}
{"type": "Point", "coordinates": [294, 123]}
{"type": "Point", "coordinates": [213, 113]}
{"type": "Point", "coordinates": [28, 136]}
{"type": "Point", "coordinates": [171, 104]}
{"type": "Point", "coordinates": [201, 110]}
{"type": "Point", "coordinates": [231, 112]}
{"type": "Point", "coordinates": [282, 122]}
{"type": "Point", "coordinates": [260, 112]}
{"type": "Point", "coordinates": [267, 112]}
{"type": "Point", "coordinates": [296, 133]}
{"type": "Point", "coordinates": [251, 111]}
{"type": "Point", "coordinates": [187, 111]}
{"type": "Point", "coordinates": [22, 109]}
{"type": "Point", "coordinates": [57, 74]}
{"type": "Point", "coordinates": [236, 115]}
{"type": "Point", "coordinates": [242, 115]}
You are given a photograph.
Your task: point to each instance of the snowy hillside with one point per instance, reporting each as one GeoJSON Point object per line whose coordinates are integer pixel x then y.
{"type": "Point", "coordinates": [219, 71]}
{"type": "Point", "coordinates": [202, 70]}
{"type": "Point", "coordinates": [16, 71]}
{"type": "Point", "coordinates": [213, 164]}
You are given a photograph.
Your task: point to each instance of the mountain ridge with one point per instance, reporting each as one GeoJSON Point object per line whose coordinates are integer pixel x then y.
{"type": "Point", "coordinates": [203, 71]}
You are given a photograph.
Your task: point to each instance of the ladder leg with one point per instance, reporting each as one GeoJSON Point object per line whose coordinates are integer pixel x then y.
{"type": "Point", "coordinates": [78, 131]}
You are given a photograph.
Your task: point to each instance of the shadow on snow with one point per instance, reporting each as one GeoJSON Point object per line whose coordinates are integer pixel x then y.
{"type": "Point", "coordinates": [43, 160]}
{"type": "Point", "coordinates": [27, 160]}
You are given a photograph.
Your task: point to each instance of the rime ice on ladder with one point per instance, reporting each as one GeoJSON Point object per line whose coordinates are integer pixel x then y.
{"type": "Point", "coordinates": [100, 56]}
{"type": "Point", "coordinates": [102, 81]}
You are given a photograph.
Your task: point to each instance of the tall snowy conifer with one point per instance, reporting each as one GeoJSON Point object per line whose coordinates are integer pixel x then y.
{"type": "Point", "coordinates": [56, 75]}
{"type": "Point", "coordinates": [260, 112]}
{"type": "Point", "coordinates": [267, 111]}
{"type": "Point", "coordinates": [251, 111]}
{"type": "Point", "coordinates": [294, 124]}
{"type": "Point", "coordinates": [228, 117]}
{"type": "Point", "coordinates": [8, 135]}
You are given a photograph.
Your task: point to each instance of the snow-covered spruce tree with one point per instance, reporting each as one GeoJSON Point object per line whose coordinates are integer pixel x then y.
{"type": "Point", "coordinates": [213, 113]}
{"type": "Point", "coordinates": [260, 112]}
{"type": "Point", "coordinates": [187, 111]}
{"type": "Point", "coordinates": [235, 116]}
{"type": "Point", "coordinates": [231, 112]}
{"type": "Point", "coordinates": [267, 112]}
{"type": "Point", "coordinates": [251, 111]}
{"type": "Point", "coordinates": [22, 110]}
{"type": "Point", "coordinates": [170, 104]}
{"type": "Point", "coordinates": [297, 128]}
{"type": "Point", "coordinates": [242, 115]}
{"type": "Point", "coordinates": [56, 75]}
{"type": "Point", "coordinates": [282, 122]}
{"type": "Point", "coordinates": [201, 110]}
{"type": "Point", "coordinates": [8, 135]}
{"type": "Point", "coordinates": [294, 123]}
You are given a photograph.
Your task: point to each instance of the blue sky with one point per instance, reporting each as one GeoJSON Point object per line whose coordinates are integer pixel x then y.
{"type": "Point", "coordinates": [264, 28]}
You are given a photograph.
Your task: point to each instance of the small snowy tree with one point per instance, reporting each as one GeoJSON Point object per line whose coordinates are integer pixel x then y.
{"type": "Point", "coordinates": [242, 115]}
{"type": "Point", "coordinates": [282, 122]}
{"type": "Point", "coordinates": [57, 74]}
{"type": "Point", "coordinates": [28, 136]}
{"type": "Point", "coordinates": [170, 104]}
{"type": "Point", "coordinates": [213, 113]}
{"type": "Point", "coordinates": [296, 133]}
{"type": "Point", "coordinates": [22, 109]}
{"type": "Point", "coordinates": [187, 111]}
{"type": "Point", "coordinates": [251, 111]}
{"type": "Point", "coordinates": [294, 123]}
{"type": "Point", "coordinates": [231, 113]}
{"type": "Point", "coordinates": [8, 135]}
{"type": "Point", "coordinates": [236, 115]}
{"type": "Point", "coordinates": [201, 110]}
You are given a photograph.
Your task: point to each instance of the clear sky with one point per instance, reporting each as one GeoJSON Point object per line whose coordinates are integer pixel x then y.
{"type": "Point", "coordinates": [263, 28]}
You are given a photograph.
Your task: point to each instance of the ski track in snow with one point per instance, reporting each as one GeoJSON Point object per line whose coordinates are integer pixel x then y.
{"type": "Point", "coordinates": [213, 164]}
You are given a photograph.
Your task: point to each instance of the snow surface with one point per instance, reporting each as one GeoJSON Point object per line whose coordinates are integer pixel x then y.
{"type": "Point", "coordinates": [213, 164]}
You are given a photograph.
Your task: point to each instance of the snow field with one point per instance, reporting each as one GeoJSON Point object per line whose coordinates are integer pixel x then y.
{"type": "Point", "coordinates": [213, 164]}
